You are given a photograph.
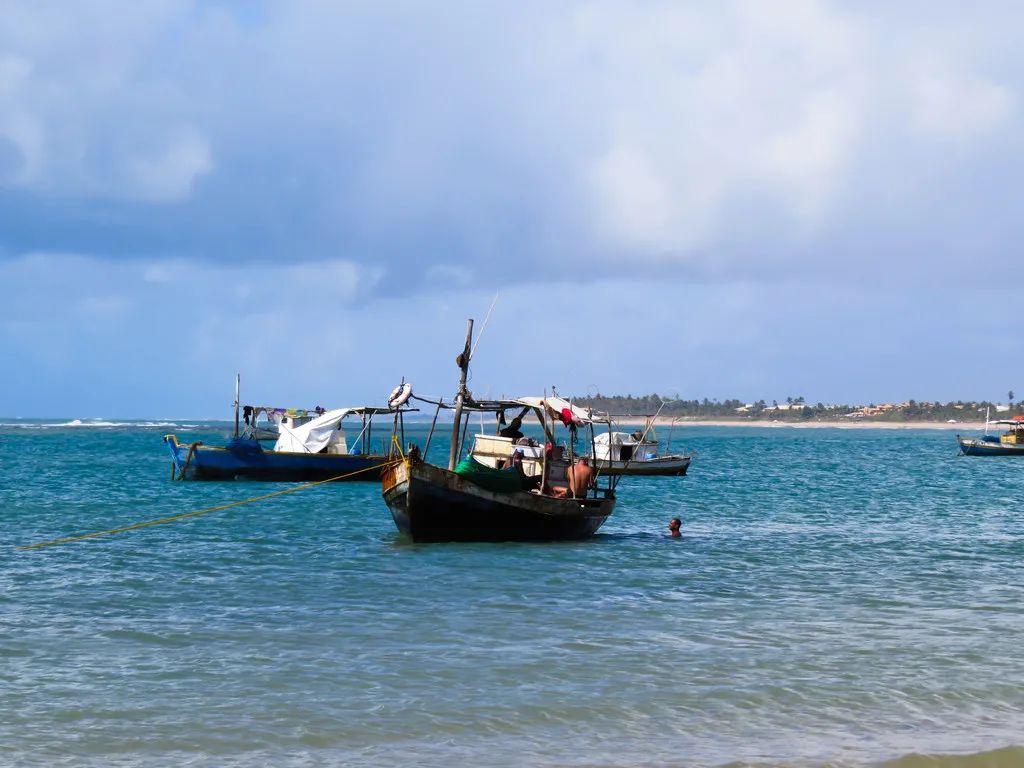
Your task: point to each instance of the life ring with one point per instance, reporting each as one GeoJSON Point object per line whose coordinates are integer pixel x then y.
{"type": "Point", "coordinates": [400, 395]}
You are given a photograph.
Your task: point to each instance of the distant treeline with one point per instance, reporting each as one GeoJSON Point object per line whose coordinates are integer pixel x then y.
{"type": "Point", "coordinates": [797, 409]}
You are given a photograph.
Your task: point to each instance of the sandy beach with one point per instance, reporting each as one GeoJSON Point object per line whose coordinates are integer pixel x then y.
{"type": "Point", "coordinates": [963, 426]}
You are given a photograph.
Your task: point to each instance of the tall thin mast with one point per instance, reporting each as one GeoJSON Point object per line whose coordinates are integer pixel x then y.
{"type": "Point", "coordinates": [238, 388]}
{"type": "Point", "coordinates": [463, 361]}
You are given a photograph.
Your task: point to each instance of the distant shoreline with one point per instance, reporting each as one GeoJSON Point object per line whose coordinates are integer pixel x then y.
{"type": "Point", "coordinates": [662, 423]}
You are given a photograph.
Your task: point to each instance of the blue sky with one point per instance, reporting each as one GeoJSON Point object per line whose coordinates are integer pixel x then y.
{"type": "Point", "coordinates": [739, 199]}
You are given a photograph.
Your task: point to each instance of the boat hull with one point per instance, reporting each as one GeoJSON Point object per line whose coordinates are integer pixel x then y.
{"type": "Point", "coordinates": [975, 447]}
{"type": "Point", "coordinates": [246, 460]}
{"type": "Point", "coordinates": [665, 466]}
{"type": "Point", "coordinates": [432, 504]}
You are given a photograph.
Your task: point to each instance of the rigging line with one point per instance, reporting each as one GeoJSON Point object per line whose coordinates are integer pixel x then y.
{"type": "Point", "coordinates": [439, 401]}
{"type": "Point", "coordinates": [483, 328]}
{"type": "Point", "coordinates": [173, 518]}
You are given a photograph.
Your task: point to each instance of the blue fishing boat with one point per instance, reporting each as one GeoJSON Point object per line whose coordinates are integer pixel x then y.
{"type": "Point", "coordinates": [1010, 443]}
{"type": "Point", "coordinates": [311, 445]}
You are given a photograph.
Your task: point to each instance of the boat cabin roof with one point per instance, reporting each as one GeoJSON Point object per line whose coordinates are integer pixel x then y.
{"type": "Point", "coordinates": [553, 405]}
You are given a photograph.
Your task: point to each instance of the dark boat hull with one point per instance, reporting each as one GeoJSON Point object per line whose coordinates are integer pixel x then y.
{"type": "Point", "coordinates": [246, 460]}
{"type": "Point", "coordinates": [432, 504]}
{"type": "Point", "coordinates": [974, 447]}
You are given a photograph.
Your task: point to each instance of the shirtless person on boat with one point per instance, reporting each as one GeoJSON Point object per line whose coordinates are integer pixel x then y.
{"type": "Point", "coordinates": [581, 480]}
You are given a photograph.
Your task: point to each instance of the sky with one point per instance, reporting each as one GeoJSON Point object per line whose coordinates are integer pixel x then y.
{"type": "Point", "coordinates": [731, 199]}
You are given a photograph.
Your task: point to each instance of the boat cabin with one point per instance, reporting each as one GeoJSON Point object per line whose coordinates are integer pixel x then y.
{"type": "Point", "coordinates": [547, 465]}
{"type": "Point", "coordinates": [1015, 435]}
{"type": "Point", "coordinates": [322, 431]}
{"type": "Point", "coordinates": [623, 446]}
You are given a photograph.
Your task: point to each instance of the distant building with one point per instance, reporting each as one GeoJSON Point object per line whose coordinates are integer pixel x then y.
{"type": "Point", "coordinates": [869, 410]}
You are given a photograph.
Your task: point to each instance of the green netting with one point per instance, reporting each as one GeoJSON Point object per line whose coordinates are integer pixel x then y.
{"type": "Point", "coordinates": [506, 480]}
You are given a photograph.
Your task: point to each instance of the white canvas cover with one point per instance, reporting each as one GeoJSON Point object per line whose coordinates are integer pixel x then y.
{"type": "Point", "coordinates": [311, 437]}
{"type": "Point", "coordinates": [555, 406]}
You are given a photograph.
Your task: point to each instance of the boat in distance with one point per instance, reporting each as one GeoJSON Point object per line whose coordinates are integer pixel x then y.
{"type": "Point", "coordinates": [636, 453]}
{"type": "Point", "coordinates": [502, 491]}
{"type": "Point", "coordinates": [1010, 443]}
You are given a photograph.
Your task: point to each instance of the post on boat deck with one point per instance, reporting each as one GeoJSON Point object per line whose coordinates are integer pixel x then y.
{"type": "Point", "coordinates": [238, 388]}
{"type": "Point", "coordinates": [463, 361]}
{"type": "Point", "coordinates": [433, 423]}
{"type": "Point", "coordinates": [593, 451]}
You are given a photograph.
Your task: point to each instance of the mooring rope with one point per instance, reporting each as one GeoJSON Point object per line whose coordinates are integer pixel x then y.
{"type": "Point", "coordinates": [173, 518]}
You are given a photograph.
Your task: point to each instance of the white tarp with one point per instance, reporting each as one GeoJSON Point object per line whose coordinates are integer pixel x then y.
{"type": "Point", "coordinates": [555, 406]}
{"type": "Point", "coordinates": [311, 437]}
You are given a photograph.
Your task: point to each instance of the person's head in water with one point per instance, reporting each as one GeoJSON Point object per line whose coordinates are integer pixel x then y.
{"type": "Point", "coordinates": [673, 527]}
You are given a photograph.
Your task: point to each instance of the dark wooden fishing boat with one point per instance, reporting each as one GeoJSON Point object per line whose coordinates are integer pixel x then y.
{"type": "Point", "coordinates": [508, 492]}
{"type": "Point", "coordinates": [429, 503]}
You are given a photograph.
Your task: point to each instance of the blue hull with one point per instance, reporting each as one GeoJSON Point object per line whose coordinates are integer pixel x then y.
{"type": "Point", "coordinates": [972, 447]}
{"type": "Point", "coordinates": [247, 460]}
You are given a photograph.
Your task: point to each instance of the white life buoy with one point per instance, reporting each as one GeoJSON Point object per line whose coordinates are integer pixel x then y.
{"type": "Point", "coordinates": [400, 395]}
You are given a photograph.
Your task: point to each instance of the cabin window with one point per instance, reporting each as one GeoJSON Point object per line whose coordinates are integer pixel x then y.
{"type": "Point", "coordinates": [626, 452]}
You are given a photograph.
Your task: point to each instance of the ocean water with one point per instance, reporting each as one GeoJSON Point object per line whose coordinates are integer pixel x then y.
{"type": "Point", "coordinates": [839, 598]}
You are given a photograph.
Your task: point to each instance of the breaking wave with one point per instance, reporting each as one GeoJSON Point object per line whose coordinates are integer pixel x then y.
{"type": "Point", "coordinates": [96, 424]}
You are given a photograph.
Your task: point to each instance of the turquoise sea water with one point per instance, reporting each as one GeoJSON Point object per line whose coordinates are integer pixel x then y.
{"type": "Point", "coordinates": [840, 597]}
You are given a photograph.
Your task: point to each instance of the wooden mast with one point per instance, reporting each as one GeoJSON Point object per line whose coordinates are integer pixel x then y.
{"type": "Point", "coordinates": [463, 361]}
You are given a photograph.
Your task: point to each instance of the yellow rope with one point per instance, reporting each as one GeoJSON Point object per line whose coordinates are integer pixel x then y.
{"type": "Point", "coordinates": [163, 520]}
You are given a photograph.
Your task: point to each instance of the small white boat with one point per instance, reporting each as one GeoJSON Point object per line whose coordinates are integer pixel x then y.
{"type": "Point", "coordinates": [623, 453]}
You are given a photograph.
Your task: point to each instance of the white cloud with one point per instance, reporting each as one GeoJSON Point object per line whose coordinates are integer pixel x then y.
{"type": "Point", "coordinates": [168, 173]}
{"type": "Point", "coordinates": [769, 100]}
{"type": "Point", "coordinates": [103, 306]}
{"type": "Point", "coordinates": [947, 104]}
{"type": "Point", "coordinates": [808, 158]}
{"type": "Point", "coordinates": [87, 106]}
{"type": "Point", "coordinates": [448, 275]}
{"type": "Point", "coordinates": [723, 139]}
